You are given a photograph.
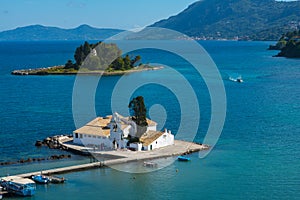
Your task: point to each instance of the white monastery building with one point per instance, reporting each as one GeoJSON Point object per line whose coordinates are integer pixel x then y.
{"type": "Point", "coordinates": [114, 131]}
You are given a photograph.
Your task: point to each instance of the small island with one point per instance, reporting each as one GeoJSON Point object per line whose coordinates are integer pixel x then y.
{"type": "Point", "coordinates": [288, 44]}
{"type": "Point", "coordinates": [96, 58]}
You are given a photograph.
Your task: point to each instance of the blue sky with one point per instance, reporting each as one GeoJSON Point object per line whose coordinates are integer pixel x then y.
{"type": "Point", "coordinates": [124, 14]}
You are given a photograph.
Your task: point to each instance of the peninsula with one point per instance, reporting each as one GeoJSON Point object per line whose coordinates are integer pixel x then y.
{"type": "Point", "coordinates": [288, 44]}
{"type": "Point", "coordinates": [115, 139]}
{"type": "Point", "coordinates": [99, 58]}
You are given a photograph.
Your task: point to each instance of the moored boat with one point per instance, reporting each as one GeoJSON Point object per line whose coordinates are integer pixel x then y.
{"type": "Point", "coordinates": [41, 179]}
{"type": "Point", "coordinates": [150, 164]}
{"type": "Point", "coordinates": [19, 186]}
{"type": "Point", "coordinates": [183, 158]}
{"type": "Point", "coordinates": [2, 192]}
{"type": "Point", "coordinates": [55, 179]}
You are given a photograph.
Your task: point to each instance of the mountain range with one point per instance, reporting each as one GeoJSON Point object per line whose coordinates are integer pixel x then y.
{"type": "Point", "coordinates": [40, 33]}
{"type": "Point", "coordinates": [248, 19]}
{"type": "Point", "coordinates": [205, 19]}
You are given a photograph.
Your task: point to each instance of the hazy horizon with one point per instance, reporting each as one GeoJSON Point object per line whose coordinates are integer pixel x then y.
{"type": "Point", "coordinates": [99, 14]}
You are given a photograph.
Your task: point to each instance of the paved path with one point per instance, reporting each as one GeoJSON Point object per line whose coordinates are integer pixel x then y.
{"type": "Point", "coordinates": [120, 156]}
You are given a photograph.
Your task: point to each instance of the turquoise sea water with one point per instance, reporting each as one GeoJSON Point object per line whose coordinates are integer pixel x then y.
{"type": "Point", "coordinates": [257, 155]}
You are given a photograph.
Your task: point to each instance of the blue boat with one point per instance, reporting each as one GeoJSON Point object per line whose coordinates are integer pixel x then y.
{"type": "Point", "coordinates": [41, 179]}
{"type": "Point", "coordinates": [19, 186]}
{"type": "Point", "coordinates": [183, 158]}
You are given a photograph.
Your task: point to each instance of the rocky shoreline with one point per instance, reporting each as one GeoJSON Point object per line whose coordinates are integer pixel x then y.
{"type": "Point", "coordinates": [50, 142]}
{"type": "Point", "coordinates": [59, 70]}
{"type": "Point", "coordinates": [30, 160]}
{"type": "Point", "coordinates": [54, 142]}
{"type": "Point", "coordinates": [288, 45]}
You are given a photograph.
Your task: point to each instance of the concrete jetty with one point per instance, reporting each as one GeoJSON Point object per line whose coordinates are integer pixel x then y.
{"type": "Point", "coordinates": [63, 169]}
{"type": "Point", "coordinates": [125, 156]}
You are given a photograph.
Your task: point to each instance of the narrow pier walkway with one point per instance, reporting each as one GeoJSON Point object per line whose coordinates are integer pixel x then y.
{"type": "Point", "coordinates": [179, 148]}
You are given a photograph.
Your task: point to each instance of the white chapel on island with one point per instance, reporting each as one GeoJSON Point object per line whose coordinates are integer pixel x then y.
{"type": "Point", "coordinates": [114, 132]}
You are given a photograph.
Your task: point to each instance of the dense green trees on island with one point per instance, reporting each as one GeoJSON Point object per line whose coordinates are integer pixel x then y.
{"type": "Point", "coordinates": [289, 44]}
{"type": "Point", "coordinates": [101, 56]}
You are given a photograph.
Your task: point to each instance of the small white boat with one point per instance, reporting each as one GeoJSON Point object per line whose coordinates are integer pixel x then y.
{"type": "Point", "coordinates": [238, 79]}
{"type": "Point", "coordinates": [56, 179]}
{"type": "Point", "coordinates": [1, 192]}
{"type": "Point", "coordinates": [150, 164]}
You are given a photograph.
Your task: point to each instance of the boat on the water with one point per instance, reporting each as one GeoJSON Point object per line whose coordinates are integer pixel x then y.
{"type": "Point", "coordinates": [150, 164]}
{"type": "Point", "coordinates": [2, 192]}
{"type": "Point", "coordinates": [183, 158]}
{"type": "Point", "coordinates": [19, 186]}
{"type": "Point", "coordinates": [238, 79]}
{"type": "Point", "coordinates": [41, 179]}
{"type": "Point", "coordinates": [55, 179]}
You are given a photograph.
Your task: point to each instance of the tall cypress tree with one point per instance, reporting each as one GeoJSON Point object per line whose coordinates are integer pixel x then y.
{"type": "Point", "coordinates": [138, 109]}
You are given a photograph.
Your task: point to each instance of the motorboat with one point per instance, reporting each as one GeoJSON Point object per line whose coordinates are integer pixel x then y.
{"type": "Point", "coordinates": [183, 158]}
{"type": "Point", "coordinates": [2, 192]}
{"type": "Point", "coordinates": [239, 80]}
{"type": "Point", "coordinates": [41, 179]}
{"type": "Point", "coordinates": [18, 185]}
{"type": "Point", "coordinates": [55, 179]}
{"type": "Point", "coordinates": [150, 164]}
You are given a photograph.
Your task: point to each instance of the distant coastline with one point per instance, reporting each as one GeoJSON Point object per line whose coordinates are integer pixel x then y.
{"type": "Point", "coordinates": [60, 70]}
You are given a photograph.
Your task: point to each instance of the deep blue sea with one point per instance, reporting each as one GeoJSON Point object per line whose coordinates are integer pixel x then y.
{"type": "Point", "coordinates": [256, 157]}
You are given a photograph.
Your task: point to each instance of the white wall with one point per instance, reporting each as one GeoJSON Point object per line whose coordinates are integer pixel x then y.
{"type": "Point", "coordinates": [137, 146]}
{"type": "Point", "coordinates": [123, 143]}
{"type": "Point", "coordinates": [115, 135]}
{"type": "Point", "coordinates": [151, 128]}
{"type": "Point", "coordinates": [126, 131]}
{"type": "Point", "coordinates": [89, 140]}
{"type": "Point", "coordinates": [76, 140]}
{"type": "Point", "coordinates": [165, 140]}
